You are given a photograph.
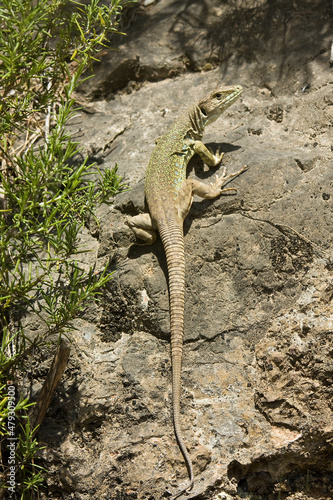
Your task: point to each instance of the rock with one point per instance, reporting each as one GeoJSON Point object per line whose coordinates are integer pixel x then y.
{"type": "Point", "coordinates": [257, 371]}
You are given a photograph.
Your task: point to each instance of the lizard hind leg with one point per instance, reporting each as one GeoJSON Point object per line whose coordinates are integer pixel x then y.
{"type": "Point", "coordinates": [214, 189]}
{"type": "Point", "coordinates": [143, 228]}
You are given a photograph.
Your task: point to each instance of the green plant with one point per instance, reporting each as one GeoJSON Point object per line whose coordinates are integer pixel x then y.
{"type": "Point", "coordinates": [46, 194]}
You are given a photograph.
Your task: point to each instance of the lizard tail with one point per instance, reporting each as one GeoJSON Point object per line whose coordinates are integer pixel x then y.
{"type": "Point", "coordinates": [176, 368]}
{"type": "Point", "coordinates": [173, 241]}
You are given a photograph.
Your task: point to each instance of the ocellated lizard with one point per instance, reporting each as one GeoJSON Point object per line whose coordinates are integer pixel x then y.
{"type": "Point", "coordinates": [169, 197]}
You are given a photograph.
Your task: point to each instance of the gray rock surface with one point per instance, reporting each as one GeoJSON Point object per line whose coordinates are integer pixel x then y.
{"type": "Point", "coordinates": [257, 372]}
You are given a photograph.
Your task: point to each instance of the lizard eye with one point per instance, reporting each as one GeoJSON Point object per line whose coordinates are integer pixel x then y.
{"type": "Point", "coordinates": [218, 95]}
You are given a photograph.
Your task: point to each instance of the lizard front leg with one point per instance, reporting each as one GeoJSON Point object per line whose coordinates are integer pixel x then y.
{"type": "Point", "coordinates": [143, 228]}
{"type": "Point", "coordinates": [207, 156]}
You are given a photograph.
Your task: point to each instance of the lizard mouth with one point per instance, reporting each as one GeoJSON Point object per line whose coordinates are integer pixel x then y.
{"type": "Point", "coordinates": [231, 98]}
{"type": "Point", "coordinates": [213, 105]}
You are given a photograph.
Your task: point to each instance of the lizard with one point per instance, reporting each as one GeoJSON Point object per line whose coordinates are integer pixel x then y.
{"type": "Point", "coordinates": [169, 196]}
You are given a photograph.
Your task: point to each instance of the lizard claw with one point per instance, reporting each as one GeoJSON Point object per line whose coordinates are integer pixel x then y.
{"type": "Point", "coordinates": [223, 179]}
{"type": "Point", "coordinates": [217, 156]}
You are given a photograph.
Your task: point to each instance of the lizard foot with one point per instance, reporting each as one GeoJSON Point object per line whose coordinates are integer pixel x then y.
{"type": "Point", "coordinates": [217, 157]}
{"type": "Point", "coordinates": [142, 228]}
{"type": "Point", "coordinates": [224, 179]}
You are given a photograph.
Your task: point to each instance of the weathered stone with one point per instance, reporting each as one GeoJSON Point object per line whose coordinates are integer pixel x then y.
{"type": "Point", "coordinates": [257, 372]}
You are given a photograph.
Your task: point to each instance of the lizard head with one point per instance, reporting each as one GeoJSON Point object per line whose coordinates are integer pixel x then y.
{"type": "Point", "coordinates": [213, 104]}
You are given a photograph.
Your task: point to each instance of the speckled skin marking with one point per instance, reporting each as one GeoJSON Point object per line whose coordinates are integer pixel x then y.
{"type": "Point", "coordinates": [169, 197]}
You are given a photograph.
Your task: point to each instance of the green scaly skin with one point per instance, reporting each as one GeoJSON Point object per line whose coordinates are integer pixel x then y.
{"type": "Point", "coordinates": [169, 197]}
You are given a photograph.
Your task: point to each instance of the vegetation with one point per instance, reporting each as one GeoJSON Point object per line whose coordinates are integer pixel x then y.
{"type": "Point", "coordinates": [46, 196]}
